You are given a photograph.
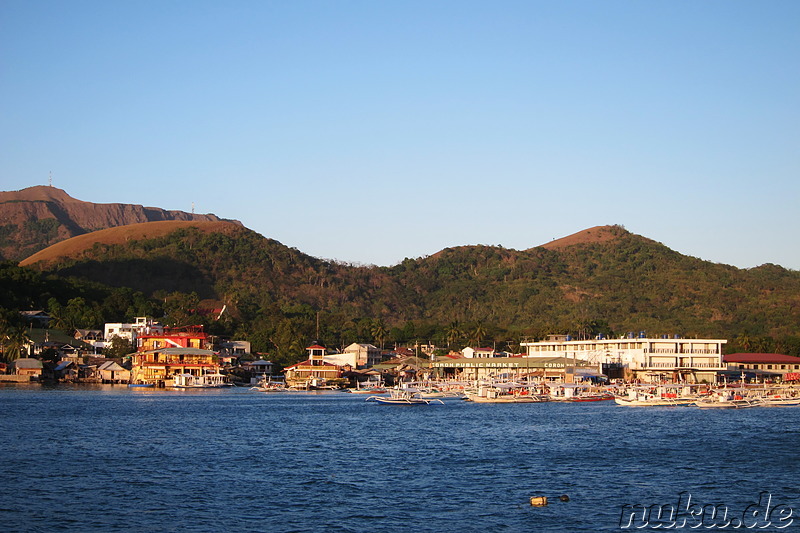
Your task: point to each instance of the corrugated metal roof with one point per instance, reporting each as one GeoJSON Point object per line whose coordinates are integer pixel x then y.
{"type": "Point", "coordinates": [760, 358]}
{"type": "Point", "coordinates": [27, 362]}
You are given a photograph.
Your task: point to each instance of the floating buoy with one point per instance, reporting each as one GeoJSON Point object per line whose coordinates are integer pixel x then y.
{"type": "Point", "coordinates": [538, 501]}
{"type": "Point", "coordinates": [564, 498]}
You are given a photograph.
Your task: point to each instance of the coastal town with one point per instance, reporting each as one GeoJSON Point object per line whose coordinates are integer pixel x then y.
{"type": "Point", "coordinates": [635, 368]}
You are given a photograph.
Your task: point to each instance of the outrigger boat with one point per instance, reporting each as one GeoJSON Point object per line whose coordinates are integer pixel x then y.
{"type": "Point", "coordinates": [403, 397]}
{"type": "Point", "coordinates": [658, 396]}
{"type": "Point", "coordinates": [201, 381]}
{"type": "Point", "coordinates": [508, 392]}
{"type": "Point", "coordinates": [729, 399]}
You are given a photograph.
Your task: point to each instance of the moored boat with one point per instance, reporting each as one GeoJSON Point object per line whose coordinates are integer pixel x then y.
{"type": "Point", "coordinates": [403, 397]}
{"type": "Point", "coordinates": [729, 399]}
{"type": "Point", "coordinates": [200, 381]}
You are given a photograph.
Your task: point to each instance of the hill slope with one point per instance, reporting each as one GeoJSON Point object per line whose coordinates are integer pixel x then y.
{"type": "Point", "coordinates": [37, 217]}
{"type": "Point", "coordinates": [604, 279]}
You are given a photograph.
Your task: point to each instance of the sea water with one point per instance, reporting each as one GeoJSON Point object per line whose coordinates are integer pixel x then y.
{"type": "Point", "coordinates": [112, 458]}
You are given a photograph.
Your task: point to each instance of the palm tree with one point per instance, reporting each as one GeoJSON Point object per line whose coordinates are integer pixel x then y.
{"type": "Point", "coordinates": [17, 341]}
{"type": "Point", "coordinates": [744, 342]}
{"type": "Point", "coordinates": [378, 331]}
{"type": "Point", "coordinates": [477, 334]}
{"type": "Point", "coordinates": [453, 334]}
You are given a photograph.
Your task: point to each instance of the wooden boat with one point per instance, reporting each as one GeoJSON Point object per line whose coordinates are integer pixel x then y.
{"type": "Point", "coordinates": [664, 395]}
{"type": "Point", "coordinates": [201, 381]}
{"type": "Point", "coordinates": [654, 402]}
{"type": "Point", "coordinates": [403, 397]}
{"type": "Point", "coordinates": [438, 394]}
{"type": "Point", "coordinates": [506, 393]}
{"type": "Point", "coordinates": [781, 402]}
{"type": "Point", "coordinates": [725, 399]}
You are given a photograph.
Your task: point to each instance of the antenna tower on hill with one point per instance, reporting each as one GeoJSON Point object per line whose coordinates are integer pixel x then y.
{"type": "Point", "coordinates": [50, 181]}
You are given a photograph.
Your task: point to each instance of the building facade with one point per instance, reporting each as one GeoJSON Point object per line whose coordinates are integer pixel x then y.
{"type": "Point", "coordinates": [640, 357]}
{"type": "Point", "coordinates": [179, 351]}
{"type": "Point", "coordinates": [764, 365]}
{"type": "Point", "coordinates": [314, 372]}
{"type": "Point", "coordinates": [130, 332]}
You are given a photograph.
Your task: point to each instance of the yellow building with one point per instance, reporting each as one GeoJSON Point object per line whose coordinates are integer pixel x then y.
{"type": "Point", "coordinates": [176, 352]}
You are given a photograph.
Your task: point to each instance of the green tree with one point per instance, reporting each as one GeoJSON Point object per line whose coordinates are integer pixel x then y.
{"type": "Point", "coordinates": [16, 343]}
{"type": "Point", "coordinates": [119, 347]}
{"type": "Point", "coordinates": [453, 334]}
{"type": "Point", "coordinates": [378, 331]}
{"type": "Point", "coordinates": [477, 334]}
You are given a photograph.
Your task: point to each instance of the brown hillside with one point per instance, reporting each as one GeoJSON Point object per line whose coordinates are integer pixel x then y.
{"type": "Point", "coordinates": [75, 246]}
{"type": "Point", "coordinates": [597, 234]}
{"type": "Point", "coordinates": [36, 217]}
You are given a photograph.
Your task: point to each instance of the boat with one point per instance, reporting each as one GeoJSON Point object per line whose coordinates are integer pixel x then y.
{"type": "Point", "coordinates": [368, 387]}
{"type": "Point", "coordinates": [781, 402]}
{"type": "Point", "coordinates": [727, 399]}
{"type": "Point", "coordinates": [403, 397]}
{"type": "Point", "coordinates": [576, 392]}
{"type": "Point", "coordinates": [271, 384]}
{"type": "Point", "coordinates": [142, 385]}
{"type": "Point", "coordinates": [439, 394]}
{"type": "Point", "coordinates": [372, 390]}
{"type": "Point", "coordinates": [657, 396]}
{"type": "Point", "coordinates": [777, 396]}
{"type": "Point", "coordinates": [200, 381]}
{"type": "Point", "coordinates": [654, 402]}
{"type": "Point", "coordinates": [508, 392]}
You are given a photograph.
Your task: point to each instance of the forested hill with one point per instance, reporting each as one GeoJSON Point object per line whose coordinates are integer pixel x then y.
{"type": "Point", "coordinates": [603, 280]}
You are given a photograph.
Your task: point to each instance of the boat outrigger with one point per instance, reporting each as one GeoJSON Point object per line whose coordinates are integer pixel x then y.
{"type": "Point", "coordinates": [403, 397]}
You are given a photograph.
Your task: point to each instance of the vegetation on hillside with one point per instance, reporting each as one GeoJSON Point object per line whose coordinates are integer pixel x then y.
{"type": "Point", "coordinates": [281, 299]}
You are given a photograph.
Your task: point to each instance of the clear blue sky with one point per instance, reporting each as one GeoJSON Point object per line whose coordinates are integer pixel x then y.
{"type": "Point", "coordinates": [370, 131]}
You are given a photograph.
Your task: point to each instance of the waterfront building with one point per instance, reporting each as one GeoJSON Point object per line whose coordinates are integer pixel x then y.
{"type": "Point", "coordinates": [542, 368]}
{"type": "Point", "coordinates": [259, 369]}
{"type": "Point", "coordinates": [314, 371]}
{"type": "Point", "coordinates": [112, 372]}
{"type": "Point", "coordinates": [163, 354]}
{"type": "Point", "coordinates": [763, 365]}
{"type": "Point", "coordinates": [357, 355]}
{"type": "Point", "coordinates": [638, 356]}
{"type": "Point", "coordinates": [28, 368]}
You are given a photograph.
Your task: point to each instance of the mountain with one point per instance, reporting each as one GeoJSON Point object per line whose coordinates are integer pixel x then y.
{"type": "Point", "coordinates": [602, 280]}
{"type": "Point", "coordinates": [37, 217]}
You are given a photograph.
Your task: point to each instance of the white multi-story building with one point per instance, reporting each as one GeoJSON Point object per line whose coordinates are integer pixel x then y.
{"type": "Point", "coordinates": [639, 356]}
{"type": "Point", "coordinates": [131, 332]}
{"type": "Point", "coordinates": [356, 355]}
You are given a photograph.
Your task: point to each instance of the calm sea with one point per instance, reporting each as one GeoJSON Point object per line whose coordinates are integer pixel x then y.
{"type": "Point", "coordinates": [109, 458]}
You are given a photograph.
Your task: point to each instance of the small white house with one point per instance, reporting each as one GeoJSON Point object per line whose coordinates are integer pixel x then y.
{"type": "Point", "coordinates": [470, 352]}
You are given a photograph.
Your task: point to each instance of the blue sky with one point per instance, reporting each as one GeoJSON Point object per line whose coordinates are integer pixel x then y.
{"type": "Point", "coordinates": [370, 131]}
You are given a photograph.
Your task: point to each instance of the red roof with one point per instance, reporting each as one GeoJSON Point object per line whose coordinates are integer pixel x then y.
{"type": "Point", "coordinates": [307, 362]}
{"type": "Point", "coordinates": [761, 358]}
{"type": "Point", "coordinates": [315, 347]}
